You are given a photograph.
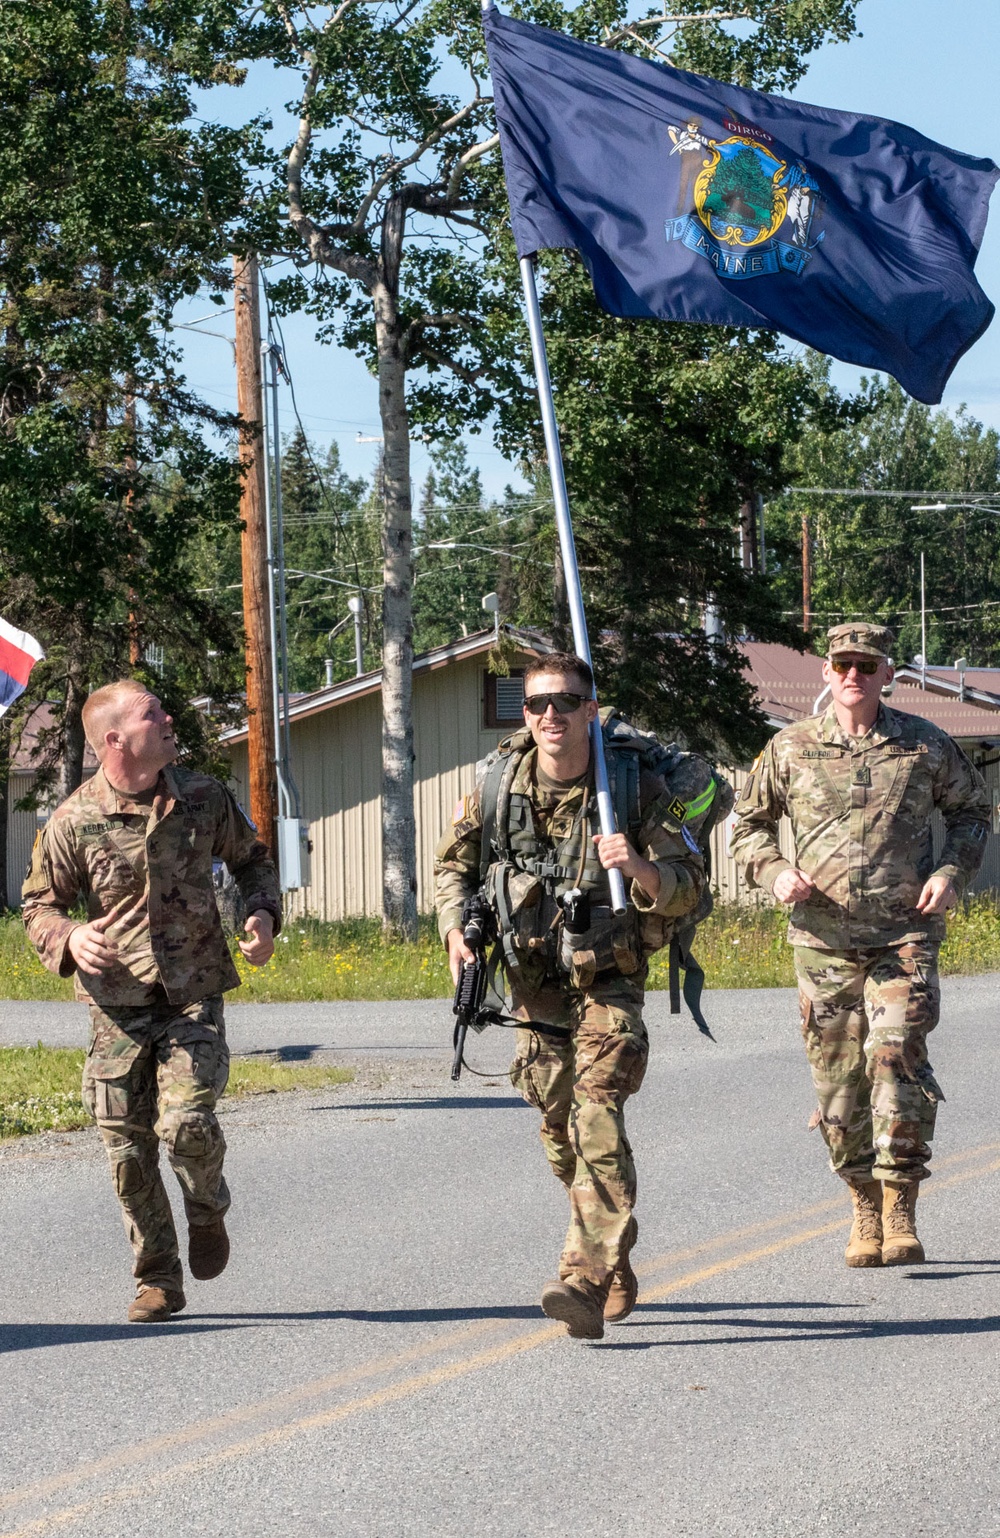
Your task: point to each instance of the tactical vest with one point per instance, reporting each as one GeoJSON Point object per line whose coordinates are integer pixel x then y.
{"type": "Point", "coordinates": [525, 882]}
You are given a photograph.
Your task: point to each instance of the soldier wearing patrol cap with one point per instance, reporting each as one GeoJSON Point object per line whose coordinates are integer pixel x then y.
{"type": "Point", "coordinates": [136, 843]}
{"type": "Point", "coordinates": [867, 896]}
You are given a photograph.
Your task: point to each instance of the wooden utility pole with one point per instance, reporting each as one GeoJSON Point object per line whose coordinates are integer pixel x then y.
{"type": "Point", "coordinates": [254, 553]}
{"type": "Point", "coordinates": [806, 576]}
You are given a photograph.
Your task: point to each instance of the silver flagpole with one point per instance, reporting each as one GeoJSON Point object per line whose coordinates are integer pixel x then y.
{"type": "Point", "coordinates": [581, 642]}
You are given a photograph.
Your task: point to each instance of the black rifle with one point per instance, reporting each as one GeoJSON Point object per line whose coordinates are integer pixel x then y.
{"type": "Point", "coordinates": [478, 931]}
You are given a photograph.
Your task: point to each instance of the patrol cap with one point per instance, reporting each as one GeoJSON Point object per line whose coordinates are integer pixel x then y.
{"type": "Point", "coordinates": [865, 640]}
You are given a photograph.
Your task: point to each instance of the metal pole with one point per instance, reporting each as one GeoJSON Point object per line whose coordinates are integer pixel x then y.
{"type": "Point", "coordinates": [564, 525]}
{"type": "Point", "coordinates": [289, 787]}
{"type": "Point", "coordinates": [282, 808]}
{"type": "Point", "coordinates": [356, 604]}
{"type": "Point", "coordinates": [923, 627]}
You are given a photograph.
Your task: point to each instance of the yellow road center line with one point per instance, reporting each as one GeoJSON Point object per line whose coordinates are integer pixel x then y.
{"type": "Point", "coordinates": [266, 1440]}
{"type": "Point", "coordinates": [212, 1424]}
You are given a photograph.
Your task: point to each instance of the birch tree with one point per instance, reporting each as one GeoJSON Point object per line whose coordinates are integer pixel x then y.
{"type": "Point", "coordinates": [385, 210]}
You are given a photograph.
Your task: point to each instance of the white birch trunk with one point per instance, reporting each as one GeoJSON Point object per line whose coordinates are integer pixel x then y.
{"type": "Point", "coordinates": [399, 840]}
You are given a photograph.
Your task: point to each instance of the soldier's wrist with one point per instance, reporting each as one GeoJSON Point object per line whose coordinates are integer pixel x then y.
{"type": "Point", "coordinates": [767, 878]}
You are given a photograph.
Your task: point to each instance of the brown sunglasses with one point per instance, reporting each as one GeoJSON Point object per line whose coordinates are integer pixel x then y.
{"type": "Point", "coordinates": [866, 665]}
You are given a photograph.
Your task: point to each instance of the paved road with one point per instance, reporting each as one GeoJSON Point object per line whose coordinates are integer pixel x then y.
{"type": "Point", "coordinates": [373, 1361]}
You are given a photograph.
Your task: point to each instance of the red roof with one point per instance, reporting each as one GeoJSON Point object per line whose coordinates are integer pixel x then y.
{"type": "Point", "coordinates": [23, 761]}
{"type": "Point", "coordinates": [788, 684]}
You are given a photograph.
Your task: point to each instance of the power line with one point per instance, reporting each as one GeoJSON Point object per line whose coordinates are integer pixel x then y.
{"type": "Point", "coordinates": [860, 491]}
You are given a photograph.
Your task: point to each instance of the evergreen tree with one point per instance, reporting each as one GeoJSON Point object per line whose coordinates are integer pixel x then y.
{"type": "Point", "coordinates": [113, 206]}
{"type": "Point", "coordinates": [865, 550]}
{"type": "Point", "coordinates": [331, 551]}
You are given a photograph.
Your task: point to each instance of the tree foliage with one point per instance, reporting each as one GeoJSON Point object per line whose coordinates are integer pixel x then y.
{"type": "Point", "coordinates": [865, 550]}
{"type": "Point", "coordinates": [113, 206]}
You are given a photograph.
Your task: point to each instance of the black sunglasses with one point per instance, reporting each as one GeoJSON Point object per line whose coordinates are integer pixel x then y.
{"type": "Point", "coordinates": [562, 704]}
{"type": "Point", "coordinates": [866, 665]}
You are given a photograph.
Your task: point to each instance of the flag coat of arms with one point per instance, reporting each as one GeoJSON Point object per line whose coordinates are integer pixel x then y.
{"type": "Point", "coordinates": [693, 200]}
{"type": "Point", "coordinates": [19, 652]}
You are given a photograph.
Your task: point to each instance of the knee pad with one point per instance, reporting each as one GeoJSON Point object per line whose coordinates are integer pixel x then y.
{"type": "Point", "coordinates": [191, 1133]}
{"type": "Point", "coordinates": [594, 1130]}
{"type": "Point", "coordinates": [130, 1177]}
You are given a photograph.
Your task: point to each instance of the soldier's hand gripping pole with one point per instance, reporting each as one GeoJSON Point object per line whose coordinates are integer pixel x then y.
{"type": "Point", "coordinates": [567, 546]}
{"type": "Point", "coordinates": [478, 929]}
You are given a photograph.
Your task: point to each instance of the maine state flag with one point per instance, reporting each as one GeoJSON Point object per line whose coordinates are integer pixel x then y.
{"type": "Point", "coordinates": [694, 200]}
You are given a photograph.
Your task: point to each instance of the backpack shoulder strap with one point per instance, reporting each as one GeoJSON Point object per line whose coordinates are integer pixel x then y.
{"type": "Point", "coordinates": [494, 796]}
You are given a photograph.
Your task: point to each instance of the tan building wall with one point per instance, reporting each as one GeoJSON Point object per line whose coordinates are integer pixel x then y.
{"type": "Point", "coordinates": [336, 760]}
{"type": "Point", "coordinates": [21, 829]}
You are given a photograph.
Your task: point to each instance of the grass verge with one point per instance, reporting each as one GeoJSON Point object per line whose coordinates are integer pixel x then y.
{"type": "Point", "coordinates": [40, 1086]}
{"type": "Point", "coordinates": [738, 947]}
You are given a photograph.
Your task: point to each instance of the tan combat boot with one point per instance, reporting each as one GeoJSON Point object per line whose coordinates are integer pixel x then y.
{"type": "Point", "coordinates": [900, 1245]}
{"type": "Point", "coordinates": [580, 1313]}
{"type": "Point", "coordinates": [208, 1250]}
{"type": "Point", "coordinates": [624, 1287]}
{"type": "Point", "coordinates": [864, 1247]}
{"type": "Point", "coordinates": [152, 1305]}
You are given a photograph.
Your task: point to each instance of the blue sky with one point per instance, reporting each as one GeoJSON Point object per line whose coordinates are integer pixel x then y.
{"type": "Point", "coordinates": [926, 63]}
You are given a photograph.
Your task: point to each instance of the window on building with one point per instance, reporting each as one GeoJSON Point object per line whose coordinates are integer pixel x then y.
{"type": "Point", "coordinates": [503, 698]}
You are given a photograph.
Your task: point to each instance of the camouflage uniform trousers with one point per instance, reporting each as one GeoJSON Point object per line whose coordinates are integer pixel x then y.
{"type": "Point", "coordinates": [153, 1074]}
{"type": "Point", "coordinates": [866, 1015]}
{"type": "Point", "coordinates": [580, 1084]}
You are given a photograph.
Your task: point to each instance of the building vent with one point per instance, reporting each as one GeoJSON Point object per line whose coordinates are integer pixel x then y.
{"type": "Point", "coordinates": [502, 699]}
{"type": "Point", "coordinates": [510, 698]}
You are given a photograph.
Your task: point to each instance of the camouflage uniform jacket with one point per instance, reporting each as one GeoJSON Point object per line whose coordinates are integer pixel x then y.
{"type": "Point", "coordinates": [861, 811]}
{"type": "Point", "coordinates": [660, 839]}
{"type": "Point", "coordinates": [151, 867]}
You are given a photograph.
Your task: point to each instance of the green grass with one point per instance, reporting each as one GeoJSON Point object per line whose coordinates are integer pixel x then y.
{"type": "Point", "coordinates": [40, 1086]}
{"type": "Point", "coordinates": [349, 960]}
{"type": "Point", "coordinates": [738, 947]}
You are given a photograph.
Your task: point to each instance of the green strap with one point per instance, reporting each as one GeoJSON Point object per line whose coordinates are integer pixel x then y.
{"type": "Point", "coordinates": [702, 802]}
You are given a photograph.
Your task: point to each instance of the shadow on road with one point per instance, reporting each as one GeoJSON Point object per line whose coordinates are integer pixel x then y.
{"type": "Point", "coordinates": [439, 1103]}
{"type": "Point", "coordinates": [287, 1054]}
{"type": "Point", "coordinates": [33, 1337]}
{"type": "Point", "coordinates": [803, 1330]}
{"type": "Point", "coordinates": [754, 1331]}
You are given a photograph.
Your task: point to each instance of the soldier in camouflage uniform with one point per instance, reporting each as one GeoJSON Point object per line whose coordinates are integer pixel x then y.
{"type": "Point", "coordinates": [136, 842]}
{"type": "Point", "coordinates": [868, 899]}
{"type": "Point", "coordinates": [588, 987]}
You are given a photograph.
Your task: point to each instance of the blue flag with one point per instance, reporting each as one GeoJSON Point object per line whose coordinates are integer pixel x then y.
{"type": "Point", "coordinates": [694, 200]}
